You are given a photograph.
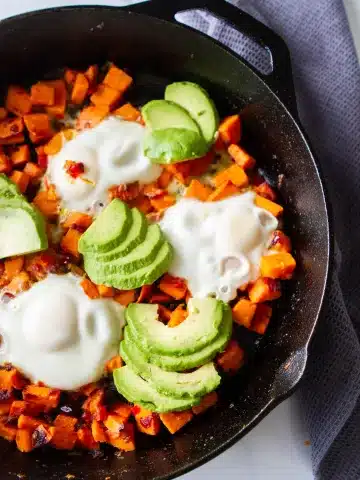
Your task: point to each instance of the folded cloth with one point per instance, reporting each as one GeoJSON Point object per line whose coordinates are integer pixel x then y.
{"type": "Point", "coordinates": [327, 81]}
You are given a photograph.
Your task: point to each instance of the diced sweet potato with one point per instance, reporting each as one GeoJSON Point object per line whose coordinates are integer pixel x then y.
{"type": "Point", "coordinates": [145, 293]}
{"type": "Point", "coordinates": [80, 89]}
{"type": "Point", "coordinates": [113, 364]}
{"type": "Point", "coordinates": [164, 180]}
{"type": "Point", "coordinates": [21, 179]}
{"type": "Point", "coordinates": [29, 423]}
{"type": "Point", "coordinates": [162, 203]}
{"type": "Point", "coordinates": [264, 290]}
{"type": "Point", "coordinates": [153, 190]}
{"type": "Point", "coordinates": [174, 286]}
{"type": "Point", "coordinates": [91, 116]}
{"type": "Point", "coordinates": [33, 171]}
{"type": "Point", "coordinates": [105, 96]}
{"type": "Point", "coordinates": [49, 398]}
{"type": "Point", "coordinates": [20, 155]}
{"type": "Point", "coordinates": [64, 434]}
{"type": "Point", "coordinates": [198, 190]}
{"type": "Point", "coordinates": [95, 405]}
{"type": "Point", "coordinates": [176, 420]}
{"type": "Point", "coordinates": [177, 317]}
{"type": "Point", "coordinates": [3, 113]}
{"type": "Point", "coordinates": [24, 440]}
{"type": "Point", "coordinates": [122, 410]}
{"type": "Point", "coordinates": [234, 174]}
{"type": "Point", "coordinates": [13, 266]}
{"type": "Point", "coordinates": [54, 145]}
{"type": "Point", "coordinates": [226, 189]}
{"type": "Point", "coordinates": [128, 112]}
{"type": "Point", "coordinates": [89, 389]}
{"type": "Point", "coordinates": [114, 424]}
{"type": "Point", "coordinates": [241, 157]}
{"type": "Point", "coordinates": [58, 109]}
{"type": "Point", "coordinates": [18, 100]}
{"type": "Point", "coordinates": [125, 440]}
{"type": "Point", "coordinates": [268, 205]}
{"type": "Point", "coordinates": [69, 242]}
{"type": "Point", "coordinates": [98, 431]}
{"type": "Point", "coordinates": [5, 163]}
{"type": "Point", "coordinates": [70, 76]}
{"type": "Point", "coordinates": [105, 291]}
{"type": "Point", "coordinates": [6, 431]}
{"type": "Point", "coordinates": [86, 439]}
{"type": "Point", "coordinates": [261, 319]}
{"type": "Point", "coordinates": [230, 129]}
{"type": "Point", "coordinates": [46, 205]}
{"type": "Point", "coordinates": [92, 74]}
{"type": "Point", "coordinates": [19, 283]}
{"type": "Point", "coordinates": [278, 265]}
{"type": "Point", "coordinates": [159, 297]}
{"type": "Point", "coordinates": [21, 407]}
{"type": "Point", "coordinates": [124, 192]}
{"type": "Point", "coordinates": [117, 79]}
{"type": "Point", "coordinates": [78, 219]}
{"type": "Point", "coordinates": [243, 312]}
{"type": "Point", "coordinates": [142, 203]}
{"type": "Point", "coordinates": [90, 289]}
{"type": "Point", "coordinates": [10, 378]}
{"type": "Point", "coordinates": [42, 435]}
{"type": "Point", "coordinates": [42, 94]}
{"type": "Point", "coordinates": [39, 126]}
{"type": "Point", "coordinates": [14, 140]}
{"type": "Point", "coordinates": [5, 407]}
{"type": "Point", "coordinates": [11, 126]}
{"type": "Point", "coordinates": [206, 402]}
{"type": "Point", "coordinates": [125, 297]}
{"type": "Point", "coordinates": [232, 358]}
{"type": "Point", "coordinates": [146, 421]}
{"type": "Point", "coordinates": [280, 242]}
{"type": "Point", "coordinates": [264, 190]}
{"type": "Point", "coordinates": [164, 313]}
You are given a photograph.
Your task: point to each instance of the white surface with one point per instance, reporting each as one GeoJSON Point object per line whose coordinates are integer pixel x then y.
{"type": "Point", "coordinates": [275, 449]}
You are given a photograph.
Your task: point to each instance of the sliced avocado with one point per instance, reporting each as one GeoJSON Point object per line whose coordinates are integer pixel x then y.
{"type": "Point", "coordinates": [172, 145]}
{"type": "Point", "coordinates": [135, 236]}
{"type": "Point", "coordinates": [142, 256]}
{"type": "Point", "coordinates": [108, 230]}
{"type": "Point", "coordinates": [195, 100]}
{"type": "Point", "coordinates": [144, 276]}
{"type": "Point", "coordinates": [178, 385]}
{"type": "Point", "coordinates": [8, 188]}
{"type": "Point", "coordinates": [195, 332]}
{"type": "Point", "coordinates": [137, 390]}
{"type": "Point", "coordinates": [162, 114]}
{"type": "Point", "coordinates": [193, 360]}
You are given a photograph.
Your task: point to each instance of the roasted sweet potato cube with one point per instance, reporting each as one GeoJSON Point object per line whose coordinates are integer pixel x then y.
{"type": "Point", "coordinates": [113, 364]}
{"type": "Point", "coordinates": [232, 359]}
{"type": "Point", "coordinates": [86, 439]}
{"type": "Point", "coordinates": [49, 398]}
{"type": "Point", "coordinates": [18, 100]}
{"type": "Point", "coordinates": [280, 242]}
{"type": "Point", "coordinates": [6, 431]}
{"type": "Point", "coordinates": [235, 174]}
{"type": "Point", "coordinates": [58, 109]}
{"type": "Point", "coordinates": [198, 190]}
{"type": "Point", "coordinates": [5, 163]}
{"type": "Point", "coordinates": [261, 319]}
{"type": "Point", "coordinates": [177, 317]}
{"type": "Point", "coordinates": [3, 113]}
{"type": "Point", "coordinates": [241, 157]}
{"type": "Point", "coordinates": [79, 220]}
{"type": "Point", "coordinates": [48, 207]}
{"type": "Point", "coordinates": [42, 435]}
{"type": "Point", "coordinates": [226, 189]}
{"type": "Point", "coordinates": [278, 265]}
{"type": "Point", "coordinates": [91, 116]}
{"type": "Point", "coordinates": [91, 74]}
{"type": "Point", "coordinates": [42, 94]}
{"type": "Point", "coordinates": [80, 89]}
{"type": "Point", "coordinates": [174, 286]}
{"type": "Point", "coordinates": [20, 407]}
{"type": "Point", "coordinates": [33, 171]}
{"type": "Point", "coordinates": [5, 407]}
{"type": "Point", "coordinates": [13, 266]}
{"type": "Point", "coordinates": [128, 112]}
{"type": "Point", "coordinates": [64, 434]}
{"type": "Point", "coordinates": [243, 312]}
{"type": "Point", "coordinates": [19, 283]}
{"type": "Point", "coordinates": [21, 179]}
{"type": "Point", "coordinates": [230, 129]}
{"type": "Point", "coordinates": [10, 378]}
{"type": "Point", "coordinates": [122, 410]}
{"type": "Point", "coordinates": [173, 421]}
{"type": "Point", "coordinates": [125, 297]}
{"type": "Point", "coordinates": [264, 190]}
{"type": "Point", "coordinates": [39, 126]}
{"type": "Point", "coordinates": [264, 290]}
{"type": "Point", "coordinates": [268, 205]}
{"type": "Point", "coordinates": [98, 431]}
{"type": "Point", "coordinates": [117, 79]}
{"type": "Point", "coordinates": [24, 440]}
{"type": "Point", "coordinates": [146, 421]}
{"type": "Point", "coordinates": [20, 155]}
{"type": "Point", "coordinates": [70, 241]}
{"type": "Point", "coordinates": [206, 402]}
{"type": "Point", "coordinates": [124, 440]}
{"type": "Point", "coordinates": [105, 96]}
{"type": "Point", "coordinates": [11, 126]}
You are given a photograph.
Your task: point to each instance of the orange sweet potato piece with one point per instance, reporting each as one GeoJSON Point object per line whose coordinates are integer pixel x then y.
{"type": "Point", "coordinates": [6, 431]}
{"type": "Point", "coordinates": [279, 265]}
{"type": "Point", "coordinates": [42, 94]}
{"type": "Point", "coordinates": [199, 166]}
{"type": "Point", "coordinates": [146, 421]}
{"type": "Point", "coordinates": [54, 145]}
{"type": "Point", "coordinates": [20, 407]}
{"type": "Point", "coordinates": [105, 96]}
{"type": "Point", "coordinates": [280, 242]}
{"type": "Point", "coordinates": [105, 291]}
{"type": "Point", "coordinates": [95, 405]}
{"type": "Point", "coordinates": [91, 116]}
{"type": "Point", "coordinates": [29, 423]}
{"type": "Point", "coordinates": [24, 440]}
{"type": "Point", "coordinates": [125, 297]}
{"type": "Point", "coordinates": [164, 180]}
{"type": "Point", "coordinates": [78, 219]}
{"type": "Point", "coordinates": [264, 290]}
{"type": "Point", "coordinates": [90, 289]}
{"type": "Point", "coordinates": [233, 174]}
{"type": "Point", "coordinates": [230, 129]}
{"type": "Point", "coordinates": [45, 396]}
{"type": "Point", "coordinates": [70, 76]}
{"type": "Point", "coordinates": [58, 109]}
{"type": "Point", "coordinates": [243, 312]}
{"type": "Point", "coordinates": [261, 319]}
{"type": "Point", "coordinates": [114, 424]}
{"type": "Point", "coordinates": [14, 140]}
{"type": "Point", "coordinates": [128, 112]}
{"type": "Point", "coordinates": [98, 431]}
{"type": "Point", "coordinates": [5, 163]}
{"type": "Point", "coordinates": [113, 364]}
{"type": "Point", "coordinates": [241, 157]}
{"type": "Point", "coordinates": [142, 203]}
{"type": "Point", "coordinates": [11, 126]}
{"type": "Point", "coordinates": [163, 202]}
{"type": "Point", "coordinates": [3, 113]}
{"type": "Point", "coordinates": [153, 190]}
{"type": "Point", "coordinates": [64, 434]}
{"type": "Point", "coordinates": [122, 410]}
{"type": "Point", "coordinates": [18, 100]}
{"type": "Point", "coordinates": [164, 313]}
{"type": "Point", "coordinates": [124, 440]}
{"type": "Point", "coordinates": [173, 421]}
{"type": "Point", "coordinates": [125, 192]}
{"type": "Point", "coordinates": [5, 406]}
{"type": "Point", "coordinates": [92, 74]}
{"type": "Point", "coordinates": [268, 205]}
{"type": "Point", "coordinates": [19, 283]}
{"type": "Point", "coordinates": [177, 316]}
{"type": "Point", "coordinates": [159, 297]}
{"type": "Point", "coordinates": [264, 190]}
{"type": "Point", "coordinates": [69, 242]}
{"type": "Point", "coordinates": [20, 155]}
{"type": "Point", "coordinates": [174, 286]}
{"type": "Point", "coordinates": [80, 89]}
{"type": "Point", "coordinates": [39, 126]}
{"type": "Point", "coordinates": [33, 170]}
{"type": "Point", "coordinates": [13, 266]}
{"type": "Point", "coordinates": [86, 439]}
{"type": "Point", "coordinates": [206, 402]}
{"type": "Point", "coordinates": [117, 79]}
{"type": "Point", "coordinates": [89, 389]}
{"type": "Point", "coordinates": [21, 179]}
{"type": "Point", "coordinates": [226, 189]}
{"type": "Point", "coordinates": [145, 293]}
{"type": "Point", "coordinates": [47, 206]}
{"type": "Point", "coordinates": [10, 378]}
{"type": "Point", "coordinates": [232, 358]}
{"type": "Point", "coordinates": [198, 190]}
{"type": "Point", "coordinates": [42, 435]}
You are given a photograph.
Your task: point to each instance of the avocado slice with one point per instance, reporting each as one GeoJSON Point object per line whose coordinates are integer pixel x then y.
{"type": "Point", "coordinates": [162, 114]}
{"type": "Point", "coordinates": [135, 236]}
{"type": "Point", "coordinates": [137, 390]}
{"type": "Point", "coordinates": [193, 360]}
{"type": "Point", "coordinates": [109, 229]}
{"type": "Point", "coordinates": [195, 332]}
{"type": "Point", "coordinates": [143, 276]}
{"type": "Point", "coordinates": [178, 385]}
{"type": "Point", "coordinates": [171, 145]}
{"type": "Point", "coordinates": [196, 101]}
{"type": "Point", "coordinates": [8, 188]}
{"type": "Point", "coordinates": [142, 256]}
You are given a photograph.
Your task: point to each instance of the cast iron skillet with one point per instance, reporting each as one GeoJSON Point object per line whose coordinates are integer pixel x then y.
{"type": "Point", "coordinates": [157, 51]}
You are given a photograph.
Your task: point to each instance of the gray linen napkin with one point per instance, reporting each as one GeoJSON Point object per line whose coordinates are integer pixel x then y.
{"type": "Point", "coordinates": [327, 81]}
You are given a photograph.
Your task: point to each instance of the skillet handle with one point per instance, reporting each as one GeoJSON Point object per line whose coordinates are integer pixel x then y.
{"type": "Point", "coordinates": [279, 80]}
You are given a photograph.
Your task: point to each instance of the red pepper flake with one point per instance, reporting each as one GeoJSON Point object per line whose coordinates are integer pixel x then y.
{"type": "Point", "coordinates": [146, 421]}
{"type": "Point", "coordinates": [74, 169]}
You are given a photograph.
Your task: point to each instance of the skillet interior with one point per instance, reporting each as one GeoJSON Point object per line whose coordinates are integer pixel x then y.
{"type": "Point", "coordinates": [157, 52]}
